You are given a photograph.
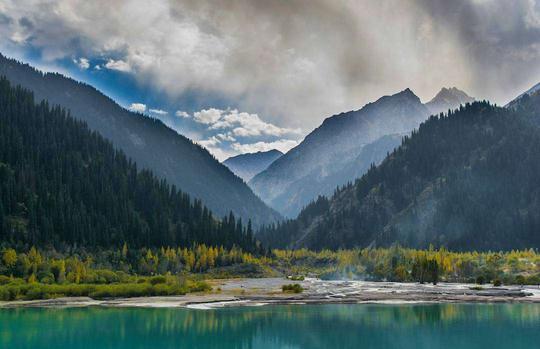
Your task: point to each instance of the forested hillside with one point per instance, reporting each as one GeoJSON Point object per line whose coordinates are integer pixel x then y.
{"type": "Point", "coordinates": [465, 180]}
{"type": "Point", "coordinates": [181, 162]}
{"type": "Point", "coordinates": [62, 184]}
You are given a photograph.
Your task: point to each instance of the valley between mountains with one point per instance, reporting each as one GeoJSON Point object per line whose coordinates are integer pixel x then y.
{"type": "Point", "coordinates": [101, 202]}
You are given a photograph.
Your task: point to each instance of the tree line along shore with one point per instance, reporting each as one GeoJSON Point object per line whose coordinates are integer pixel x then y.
{"type": "Point", "coordinates": [34, 273]}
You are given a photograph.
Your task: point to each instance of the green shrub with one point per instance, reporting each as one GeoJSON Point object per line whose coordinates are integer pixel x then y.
{"type": "Point", "coordinates": [296, 278]}
{"type": "Point", "coordinates": [157, 280]}
{"type": "Point", "coordinates": [4, 294]}
{"type": "Point", "coordinates": [4, 280]}
{"type": "Point", "coordinates": [199, 286]}
{"type": "Point", "coordinates": [123, 276]}
{"type": "Point", "coordinates": [295, 288]}
{"type": "Point", "coordinates": [533, 280]}
{"type": "Point", "coordinates": [36, 292]}
{"type": "Point", "coordinates": [497, 283]}
{"type": "Point", "coordinates": [480, 280]}
{"type": "Point", "coordinates": [520, 280]}
{"type": "Point", "coordinates": [47, 278]}
{"type": "Point", "coordinates": [106, 277]}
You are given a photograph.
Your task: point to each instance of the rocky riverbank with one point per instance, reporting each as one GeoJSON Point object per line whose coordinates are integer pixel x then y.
{"type": "Point", "coordinates": [267, 291]}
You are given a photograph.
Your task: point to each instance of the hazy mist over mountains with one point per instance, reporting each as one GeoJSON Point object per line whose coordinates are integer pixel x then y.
{"type": "Point", "coordinates": [323, 123]}
{"type": "Point", "coordinates": [447, 99]}
{"type": "Point", "coordinates": [396, 170]}
{"type": "Point", "coordinates": [270, 174]}
{"type": "Point", "coordinates": [248, 165]}
{"type": "Point", "coordinates": [344, 147]}
{"type": "Point", "coordinates": [464, 180]}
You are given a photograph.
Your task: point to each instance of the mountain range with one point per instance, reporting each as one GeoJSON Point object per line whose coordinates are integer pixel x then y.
{"type": "Point", "coordinates": [62, 184]}
{"type": "Point", "coordinates": [465, 180]}
{"type": "Point", "coordinates": [77, 168]}
{"type": "Point", "coordinates": [344, 147]}
{"type": "Point", "coordinates": [181, 162]}
{"type": "Point", "coordinates": [248, 165]}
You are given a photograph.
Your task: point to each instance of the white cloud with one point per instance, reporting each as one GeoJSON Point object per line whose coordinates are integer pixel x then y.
{"type": "Point", "coordinates": [220, 154]}
{"type": "Point", "coordinates": [283, 145]}
{"type": "Point", "coordinates": [299, 61]}
{"type": "Point", "coordinates": [216, 148]}
{"type": "Point", "coordinates": [207, 116]}
{"type": "Point", "coordinates": [137, 107]}
{"type": "Point", "coordinates": [119, 65]}
{"type": "Point", "coordinates": [226, 137]}
{"type": "Point", "coordinates": [82, 62]}
{"type": "Point", "coordinates": [241, 124]}
{"type": "Point", "coordinates": [230, 132]}
{"type": "Point", "coordinates": [158, 111]}
{"type": "Point", "coordinates": [181, 114]}
{"type": "Point", "coordinates": [210, 142]}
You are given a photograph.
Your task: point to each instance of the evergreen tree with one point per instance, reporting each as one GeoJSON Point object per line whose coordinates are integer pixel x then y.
{"type": "Point", "coordinates": [465, 180]}
{"type": "Point", "coordinates": [63, 185]}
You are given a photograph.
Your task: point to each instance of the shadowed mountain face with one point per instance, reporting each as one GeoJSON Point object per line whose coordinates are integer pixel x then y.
{"type": "Point", "coordinates": [468, 180]}
{"type": "Point", "coordinates": [248, 165]}
{"type": "Point", "coordinates": [343, 148]}
{"type": "Point", "coordinates": [147, 141]}
{"type": "Point", "coordinates": [524, 97]}
{"type": "Point", "coordinates": [317, 165]}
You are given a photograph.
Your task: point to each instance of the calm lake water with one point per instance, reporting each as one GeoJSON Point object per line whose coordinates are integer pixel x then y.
{"type": "Point", "coordinates": [313, 326]}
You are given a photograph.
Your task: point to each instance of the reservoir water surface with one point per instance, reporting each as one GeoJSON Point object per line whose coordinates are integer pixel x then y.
{"type": "Point", "coordinates": [289, 326]}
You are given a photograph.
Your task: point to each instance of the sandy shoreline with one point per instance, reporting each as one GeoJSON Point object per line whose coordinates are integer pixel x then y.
{"type": "Point", "coordinates": [258, 292]}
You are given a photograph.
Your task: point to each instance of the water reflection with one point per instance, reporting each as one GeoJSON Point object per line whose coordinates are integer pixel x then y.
{"type": "Point", "coordinates": [321, 326]}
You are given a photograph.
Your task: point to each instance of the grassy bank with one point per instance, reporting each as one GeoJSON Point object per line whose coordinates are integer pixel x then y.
{"type": "Point", "coordinates": [122, 272]}
{"type": "Point", "coordinates": [18, 289]}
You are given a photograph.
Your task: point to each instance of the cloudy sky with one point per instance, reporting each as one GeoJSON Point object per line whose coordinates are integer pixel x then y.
{"type": "Point", "coordinates": [248, 75]}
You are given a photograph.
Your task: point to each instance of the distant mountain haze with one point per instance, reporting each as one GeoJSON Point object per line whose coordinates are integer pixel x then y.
{"type": "Point", "coordinates": [248, 165]}
{"type": "Point", "coordinates": [344, 147]}
{"type": "Point", "coordinates": [147, 141]}
{"type": "Point", "coordinates": [466, 181]}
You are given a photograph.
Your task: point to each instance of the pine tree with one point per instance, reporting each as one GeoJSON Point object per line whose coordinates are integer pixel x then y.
{"type": "Point", "coordinates": [62, 184]}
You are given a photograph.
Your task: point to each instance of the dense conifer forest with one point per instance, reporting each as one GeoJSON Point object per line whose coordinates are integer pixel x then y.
{"type": "Point", "coordinates": [465, 180]}
{"type": "Point", "coordinates": [147, 141]}
{"type": "Point", "coordinates": [64, 185]}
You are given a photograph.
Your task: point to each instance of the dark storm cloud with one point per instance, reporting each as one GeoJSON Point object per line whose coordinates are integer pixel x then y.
{"type": "Point", "coordinates": [294, 62]}
{"type": "Point", "coordinates": [499, 39]}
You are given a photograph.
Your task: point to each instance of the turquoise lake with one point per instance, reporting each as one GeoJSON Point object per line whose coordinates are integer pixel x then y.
{"type": "Point", "coordinates": [311, 326]}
